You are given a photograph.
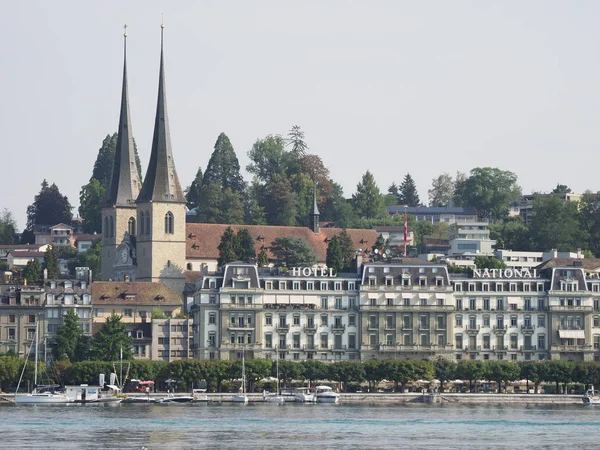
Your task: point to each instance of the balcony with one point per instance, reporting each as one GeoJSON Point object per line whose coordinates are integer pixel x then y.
{"type": "Point", "coordinates": [466, 348]}
{"type": "Point", "coordinates": [230, 346]}
{"type": "Point", "coordinates": [500, 330]}
{"type": "Point", "coordinates": [571, 308]}
{"type": "Point", "coordinates": [338, 327]}
{"type": "Point", "coordinates": [412, 347]}
{"type": "Point", "coordinates": [310, 328]}
{"type": "Point", "coordinates": [528, 348]}
{"type": "Point", "coordinates": [240, 306]}
{"type": "Point", "coordinates": [310, 348]}
{"type": "Point", "coordinates": [527, 329]}
{"type": "Point", "coordinates": [572, 348]}
{"type": "Point", "coordinates": [341, 348]}
{"type": "Point", "coordinates": [473, 330]}
{"type": "Point", "coordinates": [283, 327]}
{"type": "Point", "coordinates": [234, 327]}
{"type": "Point", "coordinates": [373, 327]}
{"type": "Point", "coordinates": [500, 348]}
{"type": "Point", "coordinates": [290, 306]}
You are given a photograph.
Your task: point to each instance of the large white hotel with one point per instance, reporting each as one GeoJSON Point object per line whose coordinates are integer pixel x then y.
{"type": "Point", "coordinates": [403, 309]}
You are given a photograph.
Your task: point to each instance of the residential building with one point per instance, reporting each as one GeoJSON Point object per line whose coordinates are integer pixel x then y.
{"type": "Point", "coordinates": [447, 214]}
{"type": "Point", "coordinates": [171, 339]}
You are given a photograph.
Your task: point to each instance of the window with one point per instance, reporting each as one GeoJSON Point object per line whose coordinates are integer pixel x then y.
{"type": "Point", "coordinates": [500, 321]}
{"type": "Point", "coordinates": [128, 312]}
{"type": "Point", "coordinates": [389, 339]}
{"type": "Point", "coordinates": [459, 321]}
{"type": "Point", "coordinates": [351, 285]}
{"type": "Point", "coordinates": [268, 340]}
{"type": "Point", "coordinates": [268, 319]}
{"type": "Point", "coordinates": [324, 302]}
{"type": "Point", "coordinates": [472, 304]}
{"type": "Point", "coordinates": [282, 321]}
{"type": "Point", "coordinates": [212, 299]}
{"type": "Point", "coordinates": [389, 322]}
{"type": "Point", "coordinates": [296, 285]}
{"type": "Point", "coordinates": [148, 224]}
{"type": "Point", "coordinates": [406, 301]}
{"type": "Point", "coordinates": [486, 321]}
{"type": "Point", "coordinates": [597, 321]}
{"type": "Point", "coordinates": [31, 318]}
{"type": "Point", "coordinates": [352, 320]}
{"type": "Point", "coordinates": [131, 226]}
{"type": "Point", "coordinates": [541, 321]}
{"type": "Point", "coordinates": [352, 341]}
{"type": "Point", "coordinates": [323, 285]}
{"type": "Point", "coordinates": [372, 302]}
{"type": "Point", "coordinates": [389, 281]}
{"type": "Point", "coordinates": [514, 341]}
{"type": "Point", "coordinates": [406, 322]}
{"type": "Point", "coordinates": [486, 341]}
{"type": "Point", "coordinates": [389, 301]}
{"type": "Point", "coordinates": [310, 285]}
{"type": "Point", "coordinates": [486, 304]}
{"type": "Point", "coordinates": [296, 341]}
{"type": "Point", "coordinates": [513, 321]}
{"type": "Point", "coordinates": [528, 304]}
{"type": "Point", "coordinates": [541, 342]}
{"type": "Point", "coordinates": [337, 286]}
{"type": "Point", "coordinates": [212, 339]}
{"type": "Point", "coordinates": [169, 223]}
{"type": "Point", "coordinates": [324, 339]}
{"type": "Point", "coordinates": [459, 304]}
{"type": "Point", "coordinates": [338, 303]}
{"type": "Point", "coordinates": [212, 318]}
{"type": "Point", "coordinates": [324, 320]}
{"type": "Point", "coordinates": [296, 320]}
{"type": "Point", "coordinates": [282, 285]}
{"type": "Point", "coordinates": [500, 304]}
{"type": "Point", "coordinates": [472, 322]}
{"type": "Point", "coordinates": [373, 321]}
{"type": "Point", "coordinates": [112, 226]}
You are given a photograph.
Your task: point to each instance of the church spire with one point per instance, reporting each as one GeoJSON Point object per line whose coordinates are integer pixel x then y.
{"type": "Point", "coordinates": [125, 182]}
{"type": "Point", "coordinates": [161, 183]}
{"type": "Point", "coordinates": [314, 211]}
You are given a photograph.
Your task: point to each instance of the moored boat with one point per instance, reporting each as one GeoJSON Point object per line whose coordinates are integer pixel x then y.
{"type": "Point", "coordinates": [303, 395]}
{"type": "Point", "coordinates": [325, 394]}
{"type": "Point", "coordinates": [591, 397]}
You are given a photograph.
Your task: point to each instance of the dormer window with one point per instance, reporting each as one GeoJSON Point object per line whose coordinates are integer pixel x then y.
{"type": "Point", "coordinates": [389, 281]}
{"type": "Point", "coordinates": [53, 285]}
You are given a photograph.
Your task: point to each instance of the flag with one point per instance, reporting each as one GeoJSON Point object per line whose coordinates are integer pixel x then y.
{"type": "Point", "coordinates": [405, 232]}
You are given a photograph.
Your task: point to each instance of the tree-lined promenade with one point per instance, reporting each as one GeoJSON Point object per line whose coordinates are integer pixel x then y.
{"type": "Point", "coordinates": [224, 375]}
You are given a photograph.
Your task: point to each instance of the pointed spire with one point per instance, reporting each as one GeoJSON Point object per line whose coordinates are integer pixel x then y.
{"type": "Point", "coordinates": [161, 183]}
{"type": "Point", "coordinates": [125, 182]}
{"type": "Point", "coordinates": [314, 211]}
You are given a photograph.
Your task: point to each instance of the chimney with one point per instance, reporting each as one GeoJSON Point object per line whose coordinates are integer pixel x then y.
{"type": "Point", "coordinates": [359, 262]}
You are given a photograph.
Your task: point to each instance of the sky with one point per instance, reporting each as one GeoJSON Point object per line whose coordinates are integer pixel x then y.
{"type": "Point", "coordinates": [393, 87]}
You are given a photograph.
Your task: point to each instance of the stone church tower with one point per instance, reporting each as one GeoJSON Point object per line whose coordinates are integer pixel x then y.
{"type": "Point", "coordinates": [119, 210]}
{"type": "Point", "coordinates": [161, 204]}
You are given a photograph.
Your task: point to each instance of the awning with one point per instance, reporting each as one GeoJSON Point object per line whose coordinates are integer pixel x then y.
{"type": "Point", "coordinates": [571, 334]}
{"type": "Point", "coordinates": [113, 387]}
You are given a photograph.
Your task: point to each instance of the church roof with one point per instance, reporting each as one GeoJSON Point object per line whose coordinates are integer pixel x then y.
{"type": "Point", "coordinates": [125, 183]}
{"type": "Point", "coordinates": [161, 183]}
{"type": "Point", "coordinates": [202, 240]}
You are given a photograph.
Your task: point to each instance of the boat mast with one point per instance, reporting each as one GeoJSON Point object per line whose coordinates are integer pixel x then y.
{"type": "Point", "coordinates": [37, 326]}
{"type": "Point", "coordinates": [243, 373]}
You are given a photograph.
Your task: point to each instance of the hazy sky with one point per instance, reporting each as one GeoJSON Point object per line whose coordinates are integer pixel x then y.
{"type": "Point", "coordinates": [390, 86]}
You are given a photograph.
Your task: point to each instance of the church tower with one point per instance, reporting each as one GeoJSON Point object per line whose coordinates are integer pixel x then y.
{"type": "Point", "coordinates": [161, 205]}
{"type": "Point", "coordinates": [119, 210]}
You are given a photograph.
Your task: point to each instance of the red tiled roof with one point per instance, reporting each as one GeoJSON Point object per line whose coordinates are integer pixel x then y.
{"type": "Point", "coordinates": [202, 240]}
{"type": "Point", "coordinates": [88, 237]}
{"type": "Point", "coordinates": [20, 246]}
{"type": "Point", "coordinates": [24, 254]}
{"type": "Point", "coordinates": [146, 293]}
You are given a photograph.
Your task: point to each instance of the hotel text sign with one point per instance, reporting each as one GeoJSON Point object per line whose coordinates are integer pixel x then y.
{"type": "Point", "coordinates": [505, 273]}
{"type": "Point", "coordinates": [312, 272]}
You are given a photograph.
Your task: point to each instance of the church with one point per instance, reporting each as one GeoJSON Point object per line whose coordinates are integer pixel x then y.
{"type": "Point", "coordinates": [145, 237]}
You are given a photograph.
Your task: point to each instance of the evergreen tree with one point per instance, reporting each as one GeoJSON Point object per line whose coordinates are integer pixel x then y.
{"type": "Point", "coordinates": [51, 263]}
{"type": "Point", "coordinates": [262, 259]}
{"type": "Point", "coordinates": [33, 272]}
{"type": "Point", "coordinates": [335, 258]}
{"type": "Point", "coordinates": [91, 258]}
{"type": "Point", "coordinates": [368, 201]}
{"type": "Point", "coordinates": [408, 192]}
{"type": "Point", "coordinates": [293, 252]}
{"type": "Point", "coordinates": [347, 247]}
{"type": "Point", "coordinates": [296, 141]}
{"type": "Point", "coordinates": [105, 161]}
{"type": "Point", "coordinates": [379, 248]}
{"type": "Point", "coordinates": [228, 247]}
{"type": "Point", "coordinates": [111, 340]}
{"type": "Point", "coordinates": [8, 228]}
{"type": "Point", "coordinates": [49, 207]}
{"type": "Point", "coordinates": [279, 200]}
{"type": "Point", "coordinates": [91, 199]}
{"type": "Point", "coordinates": [70, 341]}
{"type": "Point", "coordinates": [338, 209]}
{"type": "Point", "coordinates": [223, 167]}
{"type": "Point", "coordinates": [232, 207]}
{"type": "Point", "coordinates": [246, 250]}
{"type": "Point", "coordinates": [192, 195]}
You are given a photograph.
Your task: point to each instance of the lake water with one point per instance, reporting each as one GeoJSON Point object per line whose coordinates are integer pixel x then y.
{"type": "Point", "coordinates": [294, 426]}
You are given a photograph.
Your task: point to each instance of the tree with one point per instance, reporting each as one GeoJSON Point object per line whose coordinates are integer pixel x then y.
{"type": "Point", "coordinates": [192, 196]}
{"type": "Point", "coordinates": [589, 220]}
{"type": "Point", "coordinates": [338, 209]}
{"type": "Point", "coordinates": [489, 262]}
{"type": "Point", "coordinates": [445, 370]}
{"type": "Point", "coordinates": [555, 224]}
{"type": "Point", "coordinates": [8, 228]}
{"type": "Point", "coordinates": [91, 199]}
{"type": "Point", "coordinates": [293, 252]}
{"type": "Point", "coordinates": [279, 200]}
{"type": "Point", "coordinates": [228, 247]}
{"type": "Point", "coordinates": [33, 271]}
{"type": "Point", "coordinates": [105, 161]}
{"type": "Point", "coordinates": [511, 234]}
{"type": "Point", "coordinates": [347, 247]}
{"type": "Point", "coordinates": [49, 207]}
{"type": "Point", "coordinates": [368, 201]}
{"type": "Point", "coordinates": [442, 190]}
{"type": "Point", "coordinates": [335, 258]}
{"type": "Point", "coordinates": [422, 229]}
{"type": "Point", "coordinates": [112, 341]}
{"type": "Point", "coordinates": [70, 342]}
{"type": "Point", "coordinates": [246, 250]}
{"type": "Point", "coordinates": [347, 372]}
{"type": "Point", "coordinates": [561, 189]}
{"type": "Point", "coordinates": [408, 192]}
{"type": "Point", "coordinates": [262, 259]}
{"type": "Point", "coordinates": [393, 196]}
{"type": "Point", "coordinates": [490, 191]}
{"type": "Point", "coordinates": [296, 141]}
{"type": "Point", "coordinates": [223, 166]}
{"type": "Point", "coordinates": [51, 263]}
{"type": "Point", "coordinates": [91, 258]}
{"type": "Point", "coordinates": [268, 159]}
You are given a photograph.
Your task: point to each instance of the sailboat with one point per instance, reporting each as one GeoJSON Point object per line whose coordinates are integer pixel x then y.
{"type": "Point", "coordinates": [277, 398]}
{"type": "Point", "coordinates": [40, 394]}
{"type": "Point", "coordinates": [241, 397]}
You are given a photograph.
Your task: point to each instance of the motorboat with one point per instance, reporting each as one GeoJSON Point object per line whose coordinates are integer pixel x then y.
{"type": "Point", "coordinates": [591, 397]}
{"type": "Point", "coordinates": [175, 399]}
{"type": "Point", "coordinates": [303, 395]}
{"type": "Point", "coordinates": [325, 394]}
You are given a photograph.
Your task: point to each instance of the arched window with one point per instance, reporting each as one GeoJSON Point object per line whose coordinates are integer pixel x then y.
{"type": "Point", "coordinates": [148, 226]}
{"type": "Point", "coordinates": [112, 226]}
{"type": "Point", "coordinates": [189, 266]}
{"type": "Point", "coordinates": [142, 223]}
{"type": "Point", "coordinates": [169, 223]}
{"type": "Point", "coordinates": [106, 227]}
{"type": "Point", "coordinates": [131, 226]}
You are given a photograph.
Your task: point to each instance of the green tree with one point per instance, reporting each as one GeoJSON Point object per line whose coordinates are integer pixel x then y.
{"type": "Point", "coordinates": [442, 190]}
{"type": "Point", "coordinates": [71, 344]}
{"type": "Point", "coordinates": [245, 241]}
{"type": "Point", "coordinates": [268, 159]}
{"type": "Point", "coordinates": [91, 258]}
{"type": "Point", "coordinates": [503, 372]}
{"type": "Point", "coordinates": [338, 209]}
{"type": "Point", "coordinates": [313, 370]}
{"type": "Point", "coordinates": [262, 259]}
{"type": "Point", "coordinates": [393, 196]}
{"type": "Point", "coordinates": [445, 370]}
{"type": "Point", "coordinates": [49, 207]}
{"type": "Point", "coordinates": [228, 247]}
{"type": "Point", "coordinates": [489, 262]}
{"type": "Point", "coordinates": [423, 229]}
{"type": "Point", "coordinates": [561, 189]}
{"type": "Point", "coordinates": [193, 195]}
{"type": "Point", "coordinates": [555, 224]}
{"type": "Point", "coordinates": [347, 372]}
{"type": "Point", "coordinates": [8, 228]}
{"type": "Point", "coordinates": [51, 263]}
{"type": "Point", "coordinates": [470, 370]}
{"type": "Point", "coordinates": [511, 234]}
{"type": "Point", "coordinates": [296, 141]}
{"type": "Point", "coordinates": [368, 201]}
{"type": "Point", "coordinates": [279, 200]}
{"type": "Point", "coordinates": [112, 340]}
{"type": "Point", "coordinates": [105, 161]}
{"type": "Point", "coordinates": [408, 192]}
{"type": "Point", "coordinates": [490, 191]}
{"type": "Point", "coordinates": [33, 272]}
{"type": "Point", "coordinates": [335, 258]}
{"type": "Point", "coordinates": [589, 220]}
{"type": "Point", "coordinates": [348, 250]}
{"type": "Point", "coordinates": [91, 199]}
{"type": "Point", "coordinates": [223, 166]}
{"type": "Point", "coordinates": [373, 373]}
{"type": "Point", "coordinates": [558, 371]}
{"type": "Point", "coordinates": [292, 252]}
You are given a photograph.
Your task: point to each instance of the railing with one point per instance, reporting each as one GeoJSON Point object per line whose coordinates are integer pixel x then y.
{"type": "Point", "coordinates": [240, 328]}
{"type": "Point", "coordinates": [283, 327]}
{"type": "Point", "coordinates": [569, 327]}
{"type": "Point", "coordinates": [500, 348]}
{"type": "Point", "coordinates": [412, 347]}
{"type": "Point", "coordinates": [310, 348]}
{"type": "Point", "coordinates": [338, 327]}
{"type": "Point", "coordinates": [570, 308]}
{"type": "Point", "coordinates": [338, 348]}
{"type": "Point", "coordinates": [571, 348]}
{"type": "Point", "coordinates": [312, 327]}
{"type": "Point", "coordinates": [501, 329]}
{"type": "Point", "coordinates": [528, 348]}
{"type": "Point", "coordinates": [527, 328]}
